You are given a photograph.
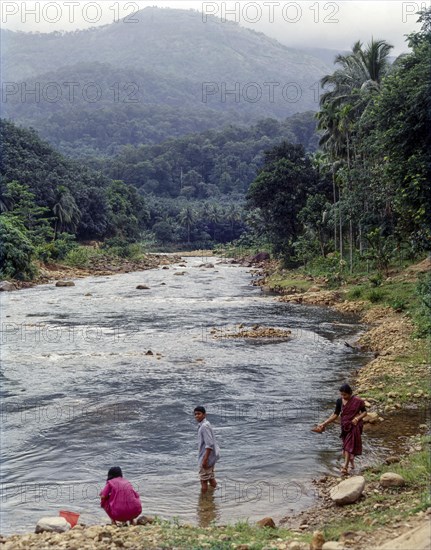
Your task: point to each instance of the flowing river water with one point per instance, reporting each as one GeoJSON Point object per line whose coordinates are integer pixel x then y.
{"type": "Point", "coordinates": [80, 394]}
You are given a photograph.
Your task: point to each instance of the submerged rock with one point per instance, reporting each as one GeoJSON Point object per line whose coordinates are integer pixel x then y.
{"type": "Point", "coordinates": [6, 286]}
{"type": "Point", "coordinates": [64, 283]}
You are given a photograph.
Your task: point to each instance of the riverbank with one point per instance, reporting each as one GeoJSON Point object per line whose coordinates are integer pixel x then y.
{"type": "Point", "coordinates": [394, 383]}
{"type": "Point", "coordinates": [98, 266]}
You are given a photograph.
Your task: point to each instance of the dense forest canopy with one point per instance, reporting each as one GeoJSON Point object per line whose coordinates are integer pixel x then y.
{"type": "Point", "coordinates": [376, 149]}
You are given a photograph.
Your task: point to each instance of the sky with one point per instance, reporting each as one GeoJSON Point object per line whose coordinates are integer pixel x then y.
{"type": "Point", "coordinates": [325, 24]}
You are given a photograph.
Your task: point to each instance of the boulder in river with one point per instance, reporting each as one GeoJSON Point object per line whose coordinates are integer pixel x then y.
{"type": "Point", "coordinates": [390, 479]}
{"type": "Point", "coordinates": [6, 286]}
{"type": "Point", "coordinates": [53, 524]}
{"type": "Point", "coordinates": [64, 283]}
{"type": "Point", "coordinates": [348, 491]}
{"type": "Point", "coordinates": [207, 266]}
{"type": "Point", "coordinates": [142, 287]}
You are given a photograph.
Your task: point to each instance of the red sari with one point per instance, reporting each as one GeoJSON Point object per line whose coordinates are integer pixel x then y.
{"type": "Point", "coordinates": [351, 434]}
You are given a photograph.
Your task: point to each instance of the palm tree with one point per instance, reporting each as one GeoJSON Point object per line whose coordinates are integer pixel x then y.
{"type": "Point", "coordinates": [233, 214]}
{"type": "Point", "coordinates": [65, 210]}
{"type": "Point", "coordinates": [187, 218]}
{"type": "Point", "coordinates": [214, 216]}
{"type": "Point", "coordinates": [357, 77]}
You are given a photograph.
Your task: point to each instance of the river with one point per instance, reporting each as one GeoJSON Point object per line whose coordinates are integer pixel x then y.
{"type": "Point", "coordinates": [80, 394]}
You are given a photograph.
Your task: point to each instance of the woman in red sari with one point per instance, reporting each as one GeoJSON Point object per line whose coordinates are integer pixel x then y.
{"type": "Point", "coordinates": [352, 410]}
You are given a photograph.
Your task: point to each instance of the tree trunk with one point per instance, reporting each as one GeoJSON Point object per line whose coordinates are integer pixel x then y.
{"type": "Point", "coordinates": [334, 192]}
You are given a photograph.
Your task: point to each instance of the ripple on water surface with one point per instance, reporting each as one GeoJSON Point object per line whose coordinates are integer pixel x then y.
{"type": "Point", "coordinates": [80, 394]}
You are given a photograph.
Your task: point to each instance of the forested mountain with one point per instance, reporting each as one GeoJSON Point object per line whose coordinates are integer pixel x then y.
{"type": "Point", "coordinates": [210, 164]}
{"type": "Point", "coordinates": [166, 75]}
{"type": "Point", "coordinates": [184, 190]}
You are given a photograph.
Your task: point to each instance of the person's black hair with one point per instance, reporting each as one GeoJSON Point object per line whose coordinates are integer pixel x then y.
{"type": "Point", "coordinates": [345, 388]}
{"type": "Point", "coordinates": [115, 471]}
{"type": "Point", "coordinates": [200, 409]}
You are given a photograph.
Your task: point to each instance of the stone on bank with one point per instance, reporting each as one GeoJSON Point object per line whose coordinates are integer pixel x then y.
{"type": "Point", "coordinates": [52, 525]}
{"type": "Point", "coordinates": [348, 491]}
{"type": "Point", "coordinates": [390, 479]}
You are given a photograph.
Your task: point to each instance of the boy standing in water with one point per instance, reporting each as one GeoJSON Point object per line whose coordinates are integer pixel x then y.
{"type": "Point", "coordinates": [209, 451]}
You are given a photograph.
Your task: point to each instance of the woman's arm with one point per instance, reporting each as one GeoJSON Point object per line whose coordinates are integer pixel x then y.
{"type": "Point", "coordinates": [359, 417]}
{"type": "Point", "coordinates": [329, 420]}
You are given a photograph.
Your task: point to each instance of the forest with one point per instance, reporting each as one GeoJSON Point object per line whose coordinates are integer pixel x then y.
{"type": "Point", "coordinates": [355, 191]}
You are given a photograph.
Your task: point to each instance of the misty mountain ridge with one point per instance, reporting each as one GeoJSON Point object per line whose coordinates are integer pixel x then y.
{"type": "Point", "coordinates": [214, 72]}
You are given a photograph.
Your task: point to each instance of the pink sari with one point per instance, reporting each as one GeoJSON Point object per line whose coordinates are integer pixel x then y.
{"type": "Point", "coordinates": [351, 434]}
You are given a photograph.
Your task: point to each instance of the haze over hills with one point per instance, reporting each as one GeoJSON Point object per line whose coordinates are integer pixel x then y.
{"type": "Point", "coordinates": [167, 75]}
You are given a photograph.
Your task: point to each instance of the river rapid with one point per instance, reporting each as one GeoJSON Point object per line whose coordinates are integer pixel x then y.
{"type": "Point", "coordinates": [80, 393]}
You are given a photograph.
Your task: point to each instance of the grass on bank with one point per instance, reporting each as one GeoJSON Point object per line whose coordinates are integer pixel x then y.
{"type": "Point", "coordinates": [168, 534]}
{"type": "Point", "coordinates": [383, 506]}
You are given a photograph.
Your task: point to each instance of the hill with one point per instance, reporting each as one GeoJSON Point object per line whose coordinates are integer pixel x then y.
{"type": "Point", "coordinates": [169, 74]}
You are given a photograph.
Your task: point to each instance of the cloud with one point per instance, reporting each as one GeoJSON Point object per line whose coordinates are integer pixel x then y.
{"type": "Point", "coordinates": [315, 24]}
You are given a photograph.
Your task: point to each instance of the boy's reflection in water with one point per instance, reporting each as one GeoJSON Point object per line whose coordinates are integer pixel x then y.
{"type": "Point", "coordinates": [207, 510]}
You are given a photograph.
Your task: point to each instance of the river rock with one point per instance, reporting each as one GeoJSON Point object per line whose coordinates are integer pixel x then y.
{"type": "Point", "coordinates": [348, 491]}
{"type": "Point", "coordinates": [180, 273]}
{"type": "Point", "coordinates": [145, 520]}
{"type": "Point", "coordinates": [317, 541]}
{"type": "Point", "coordinates": [390, 479]}
{"type": "Point", "coordinates": [266, 522]}
{"type": "Point", "coordinates": [64, 283]}
{"type": "Point", "coordinates": [371, 418]}
{"type": "Point", "coordinates": [207, 266]}
{"type": "Point", "coordinates": [261, 257]}
{"type": "Point", "coordinates": [333, 545]}
{"type": "Point", "coordinates": [142, 287]}
{"type": "Point", "coordinates": [314, 288]}
{"type": "Point", "coordinates": [52, 525]}
{"type": "Point", "coordinates": [6, 286]}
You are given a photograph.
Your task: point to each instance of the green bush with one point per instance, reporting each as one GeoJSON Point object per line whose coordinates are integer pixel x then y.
{"type": "Point", "coordinates": [398, 304]}
{"type": "Point", "coordinates": [16, 251]}
{"type": "Point", "coordinates": [80, 256]}
{"type": "Point", "coordinates": [423, 314]}
{"type": "Point", "coordinates": [354, 293]}
{"type": "Point", "coordinates": [375, 295]}
{"type": "Point", "coordinates": [376, 279]}
{"type": "Point", "coordinates": [56, 250]}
